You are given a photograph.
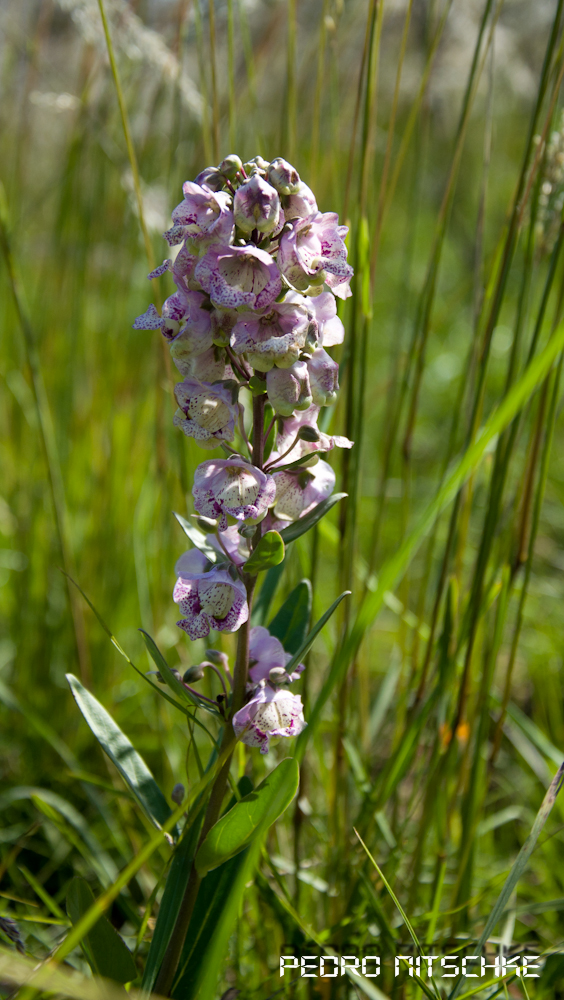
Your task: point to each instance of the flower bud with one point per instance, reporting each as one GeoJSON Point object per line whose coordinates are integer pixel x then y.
{"type": "Point", "coordinates": [178, 792]}
{"type": "Point", "coordinates": [231, 166]}
{"type": "Point", "coordinates": [256, 206]}
{"type": "Point", "coordinates": [258, 165]}
{"type": "Point", "coordinates": [193, 674]}
{"type": "Point", "coordinates": [220, 659]}
{"type": "Point", "coordinates": [277, 675]}
{"type": "Point", "coordinates": [283, 176]}
{"type": "Point", "coordinates": [212, 178]}
{"type": "Point", "coordinates": [289, 389]}
{"type": "Point", "coordinates": [307, 433]}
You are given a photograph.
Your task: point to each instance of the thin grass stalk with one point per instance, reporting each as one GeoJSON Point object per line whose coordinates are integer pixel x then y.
{"type": "Point", "coordinates": [231, 73]}
{"type": "Point", "coordinates": [291, 80]}
{"type": "Point", "coordinates": [539, 497]}
{"type": "Point", "coordinates": [250, 68]}
{"type": "Point", "coordinates": [213, 73]}
{"type": "Point", "coordinates": [359, 91]}
{"type": "Point", "coordinates": [48, 440]}
{"type": "Point", "coordinates": [207, 130]}
{"type": "Point", "coordinates": [318, 92]}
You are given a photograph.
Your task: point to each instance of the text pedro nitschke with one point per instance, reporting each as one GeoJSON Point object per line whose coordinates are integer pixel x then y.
{"type": "Point", "coordinates": [445, 967]}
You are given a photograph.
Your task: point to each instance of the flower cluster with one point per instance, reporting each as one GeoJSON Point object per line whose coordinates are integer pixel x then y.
{"type": "Point", "coordinates": [257, 269]}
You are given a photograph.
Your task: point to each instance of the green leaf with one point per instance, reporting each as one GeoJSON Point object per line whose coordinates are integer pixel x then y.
{"type": "Point", "coordinates": [311, 637]}
{"type": "Point", "coordinates": [169, 908]}
{"type": "Point", "coordinates": [250, 817]}
{"type": "Point", "coordinates": [122, 753]}
{"type": "Point", "coordinates": [197, 538]}
{"type": "Point", "coordinates": [269, 552]}
{"type": "Point", "coordinates": [105, 951]}
{"type": "Point", "coordinates": [170, 678]}
{"type": "Point", "coordinates": [291, 622]}
{"type": "Point", "coordinates": [215, 912]}
{"type": "Point", "coordinates": [303, 524]}
{"type": "Point", "coordinates": [268, 589]}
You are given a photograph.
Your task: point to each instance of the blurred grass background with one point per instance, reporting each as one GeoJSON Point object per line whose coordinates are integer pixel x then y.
{"type": "Point", "coordinates": [388, 114]}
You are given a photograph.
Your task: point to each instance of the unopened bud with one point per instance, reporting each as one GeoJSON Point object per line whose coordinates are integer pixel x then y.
{"type": "Point", "coordinates": [193, 674]}
{"type": "Point", "coordinates": [258, 165]}
{"type": "Point", "coordinates": [277, 675]}
{"type": "Point", "coordinates": [178, 792]}
{"type": "Point", "coordinates": [256, 205]}
{"type": "Point", "coordinates": [307, 433]}
{"type": "Point", "coordinates": [231, 166]}
{"type": "Point", "coordinates": [216, 657]}
{"type": "Point", "coordinates": [247, 530]}
{"type": "Point", "coordinates": [283, 176]}
{"type": "Point", "coordinates": [212, 178]}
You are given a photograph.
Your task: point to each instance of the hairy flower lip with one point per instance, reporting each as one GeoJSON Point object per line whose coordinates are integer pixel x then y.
{"type": "Point", "coordinates": [239, 276]}
{"type": "Point", "coordinates": [199, 595]}
{"type": "Point", "coordinates": [314, 251]}
{"type": "Point", "coordinates": [270, 713]}
{"type": "Point", "coordinates": [276, 337]}
{"type": "Point", "coordinates": [232, 487]}
{"type": "Point", "coordinates": [205, 216]}
{"type": "Point", "coordinates": [206, 411]}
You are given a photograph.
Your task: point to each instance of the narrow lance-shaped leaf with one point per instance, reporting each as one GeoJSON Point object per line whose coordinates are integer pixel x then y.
{"type": "Point", "coordinates": [171, 679]}
{"type": "Point", "coordinates": [311, 637]}
{"type": "Point", "coordinates": [122, 753]}
{"type": "Point", "coordinates": [249, 817]}
{"type": "Point", "coordinates": [197, 538]}
{"type": "Point", "coordinates": [269, 552]}
{"type": "Point", "coordinates": [303, 524]}
{"type": "Point", "coordinates": [106, 952]}
{"type": "Point", "coordinates": [291, 622]}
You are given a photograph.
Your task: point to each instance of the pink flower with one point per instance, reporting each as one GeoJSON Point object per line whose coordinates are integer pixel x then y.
{"type": "Point", "coordinates": [271, 712]}
{"type": "Point", "coordinates": [288, 388]}
{"type": "Point", "coordinates": [297, 492]}
{"type": "Point", "coordinates": [256, 205]}
{"type": "Point", "coordinates": [239, 276]}
{"type": "Point", "coordinates": [232, 487]}
{"type": "Point", "coordinates": [206, 412]}
{"type": "Point", "coordinates": [267, 653]}
{"type": "Point", "coordinates": [300, 204]}
{"type": "Point", "coordinates": [323, 378]}
{"type": "Point", "coordinates": [314, 252]}
{"type": "Point", "coordinates": [291, 427]}
{"type": "Point", "coordinates": [210, 366]}
{"type": "Point", "coordinates": [208, 600]}
{"type": "Point", "coordinates": [204, 217]}
{"type": "Point", "coordinates": [276, 338]}
{"type": "Point", "coordinates": [324, 311]}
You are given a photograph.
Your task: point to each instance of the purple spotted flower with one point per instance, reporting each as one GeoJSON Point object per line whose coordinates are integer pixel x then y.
{"type": "Point", "coordinates": [232, 487]}
{"type": "Point", "coordinates": [297, 492]}
{"type": "Point", "coordinates": [256, 205]}
{"type": "Point", "coordinates": [239, 276]}
{"type": "Point", "coordinates": [300, 204]}
{"type": "Point", "coordinates": [314, 252]}
{"type": "Point", "coordinates": [275, 338]}
{"type": "Point", "coordinates": [208, 600]}
{"type": "Point", "coordinates": [203, 218]}
{"type": "Point", "coordinates": [271, 712]}
{"type": "Point", "coordinates": [266, 654]}
{"type": "Point", "coordinates": [210, 366]}
{"type": "Point", "coordinates": [323, 310]}
{"type": "Point", "coordinates": [323, 378]}
{"type": "Point", "coordinates": [206, 412]}
{"type": "Point", "coordinates": [289, 389]}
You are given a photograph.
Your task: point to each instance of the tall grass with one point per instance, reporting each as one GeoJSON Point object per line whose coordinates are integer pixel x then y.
{"type": "Point", "coordinates": [435, 700]}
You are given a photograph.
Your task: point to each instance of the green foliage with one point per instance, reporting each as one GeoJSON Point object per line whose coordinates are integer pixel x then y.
{"type": "Point", "coordinates": [106, 953]}
{"type": "Point", "coordinates": [291, 622]}
{"type": "Point", "coordinates": [268, 553]}
{"type": "Point", "coordinates": [250, 817]}
{"type": "Point", "coordinates": [298, 528]}
{"type": "Point", "coordinates": [122, 753]}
